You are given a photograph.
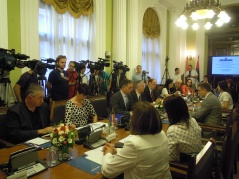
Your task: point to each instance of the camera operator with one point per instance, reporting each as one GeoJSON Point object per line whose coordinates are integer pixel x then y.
{"type": "Point", "coordinates": [83, 76]}
{"type": "Point", "coordinates": [117, 76]}
{"type": "Point", "coordinates": [24, 81]}
{"type": "Point", "coordinates": [58, 80]}
{"type": "Point", "coordinates": [72, 75]}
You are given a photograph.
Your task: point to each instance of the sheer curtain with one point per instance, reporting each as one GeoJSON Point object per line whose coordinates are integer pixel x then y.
{"type": "Point", "coordinates": [151, 57]}
{"type": "Point", "coordinates": [62, 34]}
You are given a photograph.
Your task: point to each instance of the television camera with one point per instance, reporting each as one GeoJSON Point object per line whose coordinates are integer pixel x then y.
{"type": "Point", "coordinates": [119, 66]}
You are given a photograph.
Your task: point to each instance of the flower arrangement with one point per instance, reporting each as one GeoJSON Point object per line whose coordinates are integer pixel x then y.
{"type": "Point", "coordinates": [159, 105]}
{"type": "Point", "coordinates": [63, 136]}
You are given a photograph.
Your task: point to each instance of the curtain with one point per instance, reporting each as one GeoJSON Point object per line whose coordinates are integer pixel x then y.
{"type": "Point", "coordinates": [75, 7]}
{"type": "Point", "coordinates": [151, 26]}
{"type": "Point", "coordinates": [151, 57]}
{"type": "Point", "coordinates": [61, 34]}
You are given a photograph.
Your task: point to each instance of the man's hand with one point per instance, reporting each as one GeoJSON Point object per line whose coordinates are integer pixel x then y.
{"type": "Point", "coordinates": [45, 130]}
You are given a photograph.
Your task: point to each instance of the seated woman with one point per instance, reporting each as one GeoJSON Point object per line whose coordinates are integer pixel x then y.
{"type": "Point", "coordinates": [145, 154]}
{"type": "Point", "coordinates": [184, 133]}
{"type": "Point", "coordinates": [187, 88]}
{"type": "Point", "coordinates": [167, 89]}
{"type": "Point", "coordinates": [224, 97]}
{"type": "Point", "coordinates": [79, 109]}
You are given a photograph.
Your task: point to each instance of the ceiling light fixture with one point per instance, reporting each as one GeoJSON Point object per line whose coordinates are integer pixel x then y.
{"type": "Point", "coordinates": [198, 10]}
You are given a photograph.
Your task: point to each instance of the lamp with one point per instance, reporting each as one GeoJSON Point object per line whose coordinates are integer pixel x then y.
{"type": "Point", "coordinates": [197, 10]}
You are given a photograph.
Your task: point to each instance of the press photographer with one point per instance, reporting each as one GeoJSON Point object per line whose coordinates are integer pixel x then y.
{"type": "Point", "coordinates": [35, 75]}
{"type": "Point", "coordinates": [117, 75]}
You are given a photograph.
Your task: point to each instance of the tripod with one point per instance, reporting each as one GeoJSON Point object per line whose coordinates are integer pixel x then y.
{"type": "Point", "coordinates": [42, 82]}
{"type": "Point", "coordinates": [6, 88]}
{"type": "Point", "coordinates": [166, 70]}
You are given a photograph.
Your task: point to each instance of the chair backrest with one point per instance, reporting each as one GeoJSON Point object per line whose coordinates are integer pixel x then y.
{"type": "Point", "coordinates": [200, 165]}
{"type": "Point", "coordinates": [3, 129]}
{"type": "Point", "coordinates": [229, 150]}
{"type": "Point", "coordinates": [100, 105]}
{"type": "Point", "coordinates": [58, 109]}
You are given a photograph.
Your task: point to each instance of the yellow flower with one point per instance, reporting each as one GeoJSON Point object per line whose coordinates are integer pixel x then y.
{"type": "Point", "coordinates": [69, 140]}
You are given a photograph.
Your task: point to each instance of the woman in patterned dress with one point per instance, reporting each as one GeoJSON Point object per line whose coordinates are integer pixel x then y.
{"type": "Point", "coordinates": [184, 133]}
{"type": "Point", "coordinates": [79, 109]}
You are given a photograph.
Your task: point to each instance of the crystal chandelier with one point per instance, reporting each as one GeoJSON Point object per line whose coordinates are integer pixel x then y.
{"type": "Point", "coordinates": [197, 10]}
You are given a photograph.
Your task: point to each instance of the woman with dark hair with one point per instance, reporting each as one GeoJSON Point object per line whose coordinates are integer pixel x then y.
{"type": "Point", "coordinates": [145, 154]}
{"type": "Point", "coordinates": [224, 97]}
{"type": "Point", "coordinates": [187, 88]}
{"type": "Point", "coordinates": [184, 133]}
{"type": "Point", "coordinates": [79, 109]}
{"type": "Point", "coordinates": [167, 89]}
{"type": "Point", "coordinates": [232, 90]}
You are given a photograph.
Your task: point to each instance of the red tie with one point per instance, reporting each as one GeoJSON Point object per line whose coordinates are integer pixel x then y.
{"type": "Point", "coordinates": [152, 95]}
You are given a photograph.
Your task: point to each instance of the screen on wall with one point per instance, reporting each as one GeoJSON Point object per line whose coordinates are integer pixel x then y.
{"type": "Point", "coordinates": [225, 65]}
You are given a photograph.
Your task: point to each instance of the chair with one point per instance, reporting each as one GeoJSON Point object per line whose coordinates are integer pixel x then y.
{"type": "Point", "coordinates": [3, 132]}
{"type": "Point", "coordinates": [100, 105]}
{"type": "Point", "coordinates": [57, 113]}
{"type": "Point", "coordinates": [200, 165]}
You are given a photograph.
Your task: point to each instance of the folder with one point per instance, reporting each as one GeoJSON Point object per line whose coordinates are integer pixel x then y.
{"type": "Point", "coordinates": [86, 165]}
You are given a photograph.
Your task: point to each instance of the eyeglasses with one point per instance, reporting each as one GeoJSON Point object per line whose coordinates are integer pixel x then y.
{"type": "Point", "coordinates": [38, 98]}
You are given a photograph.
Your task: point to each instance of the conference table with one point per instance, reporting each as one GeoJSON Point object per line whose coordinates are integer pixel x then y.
{"type": "Point", "coordinates": [63, 170]}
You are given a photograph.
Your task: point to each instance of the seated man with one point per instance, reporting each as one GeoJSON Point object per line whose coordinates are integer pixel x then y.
{"type": "Point", "coordinates": [150, 91]}
{"type": "Point", "coordinates": [177, 86]}
{"type": "Point", "coordinates": [210, 112]}
{"type": "Point", "coordinates": [121, 102]}
{"type": "Point", "coordinates": [30, 118]}
{"type": "Point", "coordinates": [138, 93]}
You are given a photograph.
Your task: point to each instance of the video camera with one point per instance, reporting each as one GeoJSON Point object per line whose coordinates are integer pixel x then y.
{"type": "Point", "coordinates": [80, 65]}
{"type": "Point", "coordinates": [8, 61]}
{"type": "Point", "coordinates": [119, 66]}
{"type": "Point", "coordinates": [144, 73]}
{"type": "Point", "coordinates": [99, 65]}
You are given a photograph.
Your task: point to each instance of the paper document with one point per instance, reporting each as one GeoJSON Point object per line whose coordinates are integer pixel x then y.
{"type": "Point", "coordinates": [95, 155]}
{"type": "Point", "coordinates": [37, 141]}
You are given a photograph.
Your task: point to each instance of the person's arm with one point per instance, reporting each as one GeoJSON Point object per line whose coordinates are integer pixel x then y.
{"type": "Point", "coordinates": [224, 104]}
{"type": "Point", "coordinates": [124, 160]}
{"type": "Point", "coordinates": [172, 145]}
{"type": "Point", "coordinates": [45, 130]}
{"type": "Point", "coordinates": [48, 85]}
{"type": "Point", "coordinates": [95, 118]}
{"type": "Point", "coordinates": [202, 111]}
{"type": "Point", "coordinates": [17, 91]}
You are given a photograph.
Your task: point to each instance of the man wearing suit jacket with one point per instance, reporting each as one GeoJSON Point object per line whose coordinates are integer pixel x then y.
{"type": "Point", "coordinates": [121, 102]}
{"type": "Point", "coordinates": [29, 118]}
{"type": "Point", "coordinates": [150, 91]}
{"type": "Point", "coordinates": [138, 93]}
{"type": "Point", "coordinates": [210, 112]}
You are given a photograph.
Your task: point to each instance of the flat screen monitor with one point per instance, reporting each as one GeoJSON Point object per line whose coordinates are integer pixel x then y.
{"type": "Point", "coordinates": [225, 65]}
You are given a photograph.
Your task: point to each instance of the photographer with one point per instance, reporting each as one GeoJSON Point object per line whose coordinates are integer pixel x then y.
{"type": "Point", "coordinates": [72, 75]}
{"type": "Point", "coordinates": [192, 74]}
{"type": "Point", "coordinates": [24, 81]}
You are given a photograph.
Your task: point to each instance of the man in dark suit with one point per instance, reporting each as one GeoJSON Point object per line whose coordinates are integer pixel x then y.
{"type": "Point", "coordinates": [121, 102]}
{"type": "Point", "coordinates": [138, 93]}
{"type": "Point", "coordinates": [28, 119]}
{"type": "Point", "coordinates": [210, 112]}
{"type": "Point", "coordinates": [150, 91]}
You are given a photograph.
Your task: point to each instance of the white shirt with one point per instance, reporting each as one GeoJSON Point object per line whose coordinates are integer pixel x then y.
{"type": "Point", "coordinates": [225, 96]}
{"type": "Point", "coordinates": [143, 156]}
{"type": "Point", "coordinates": [176, 77]}
{"type": "Point", "coordinates": [84, 79]}
{"type": "Point", "coordinates": [193, 73]}
{"type": "Point", "coordinates": [164, 91]}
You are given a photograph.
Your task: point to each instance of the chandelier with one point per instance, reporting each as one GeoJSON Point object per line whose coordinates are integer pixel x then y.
{"type": "Point", "coordinates": [197, 10]}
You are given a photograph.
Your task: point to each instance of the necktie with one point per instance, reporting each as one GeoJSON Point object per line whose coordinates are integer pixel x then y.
{"type": "Point", "coordinates": [152, 95]}
{"type": "Point", "coordinates": [189, 73]}
{"type": "Point", "coordinates": [139, 97]}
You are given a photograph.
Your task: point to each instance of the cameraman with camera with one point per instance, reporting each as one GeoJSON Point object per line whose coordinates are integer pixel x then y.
{"type": "Point", "coordinates": [24, 81]}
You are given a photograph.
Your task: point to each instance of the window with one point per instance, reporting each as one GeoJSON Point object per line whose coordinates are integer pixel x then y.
{"type": "Point", "coordinates": [62, 34]}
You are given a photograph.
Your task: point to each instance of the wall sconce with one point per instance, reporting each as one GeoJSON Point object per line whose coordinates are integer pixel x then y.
{"type": "Point", "coordinates": [190, 53]}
